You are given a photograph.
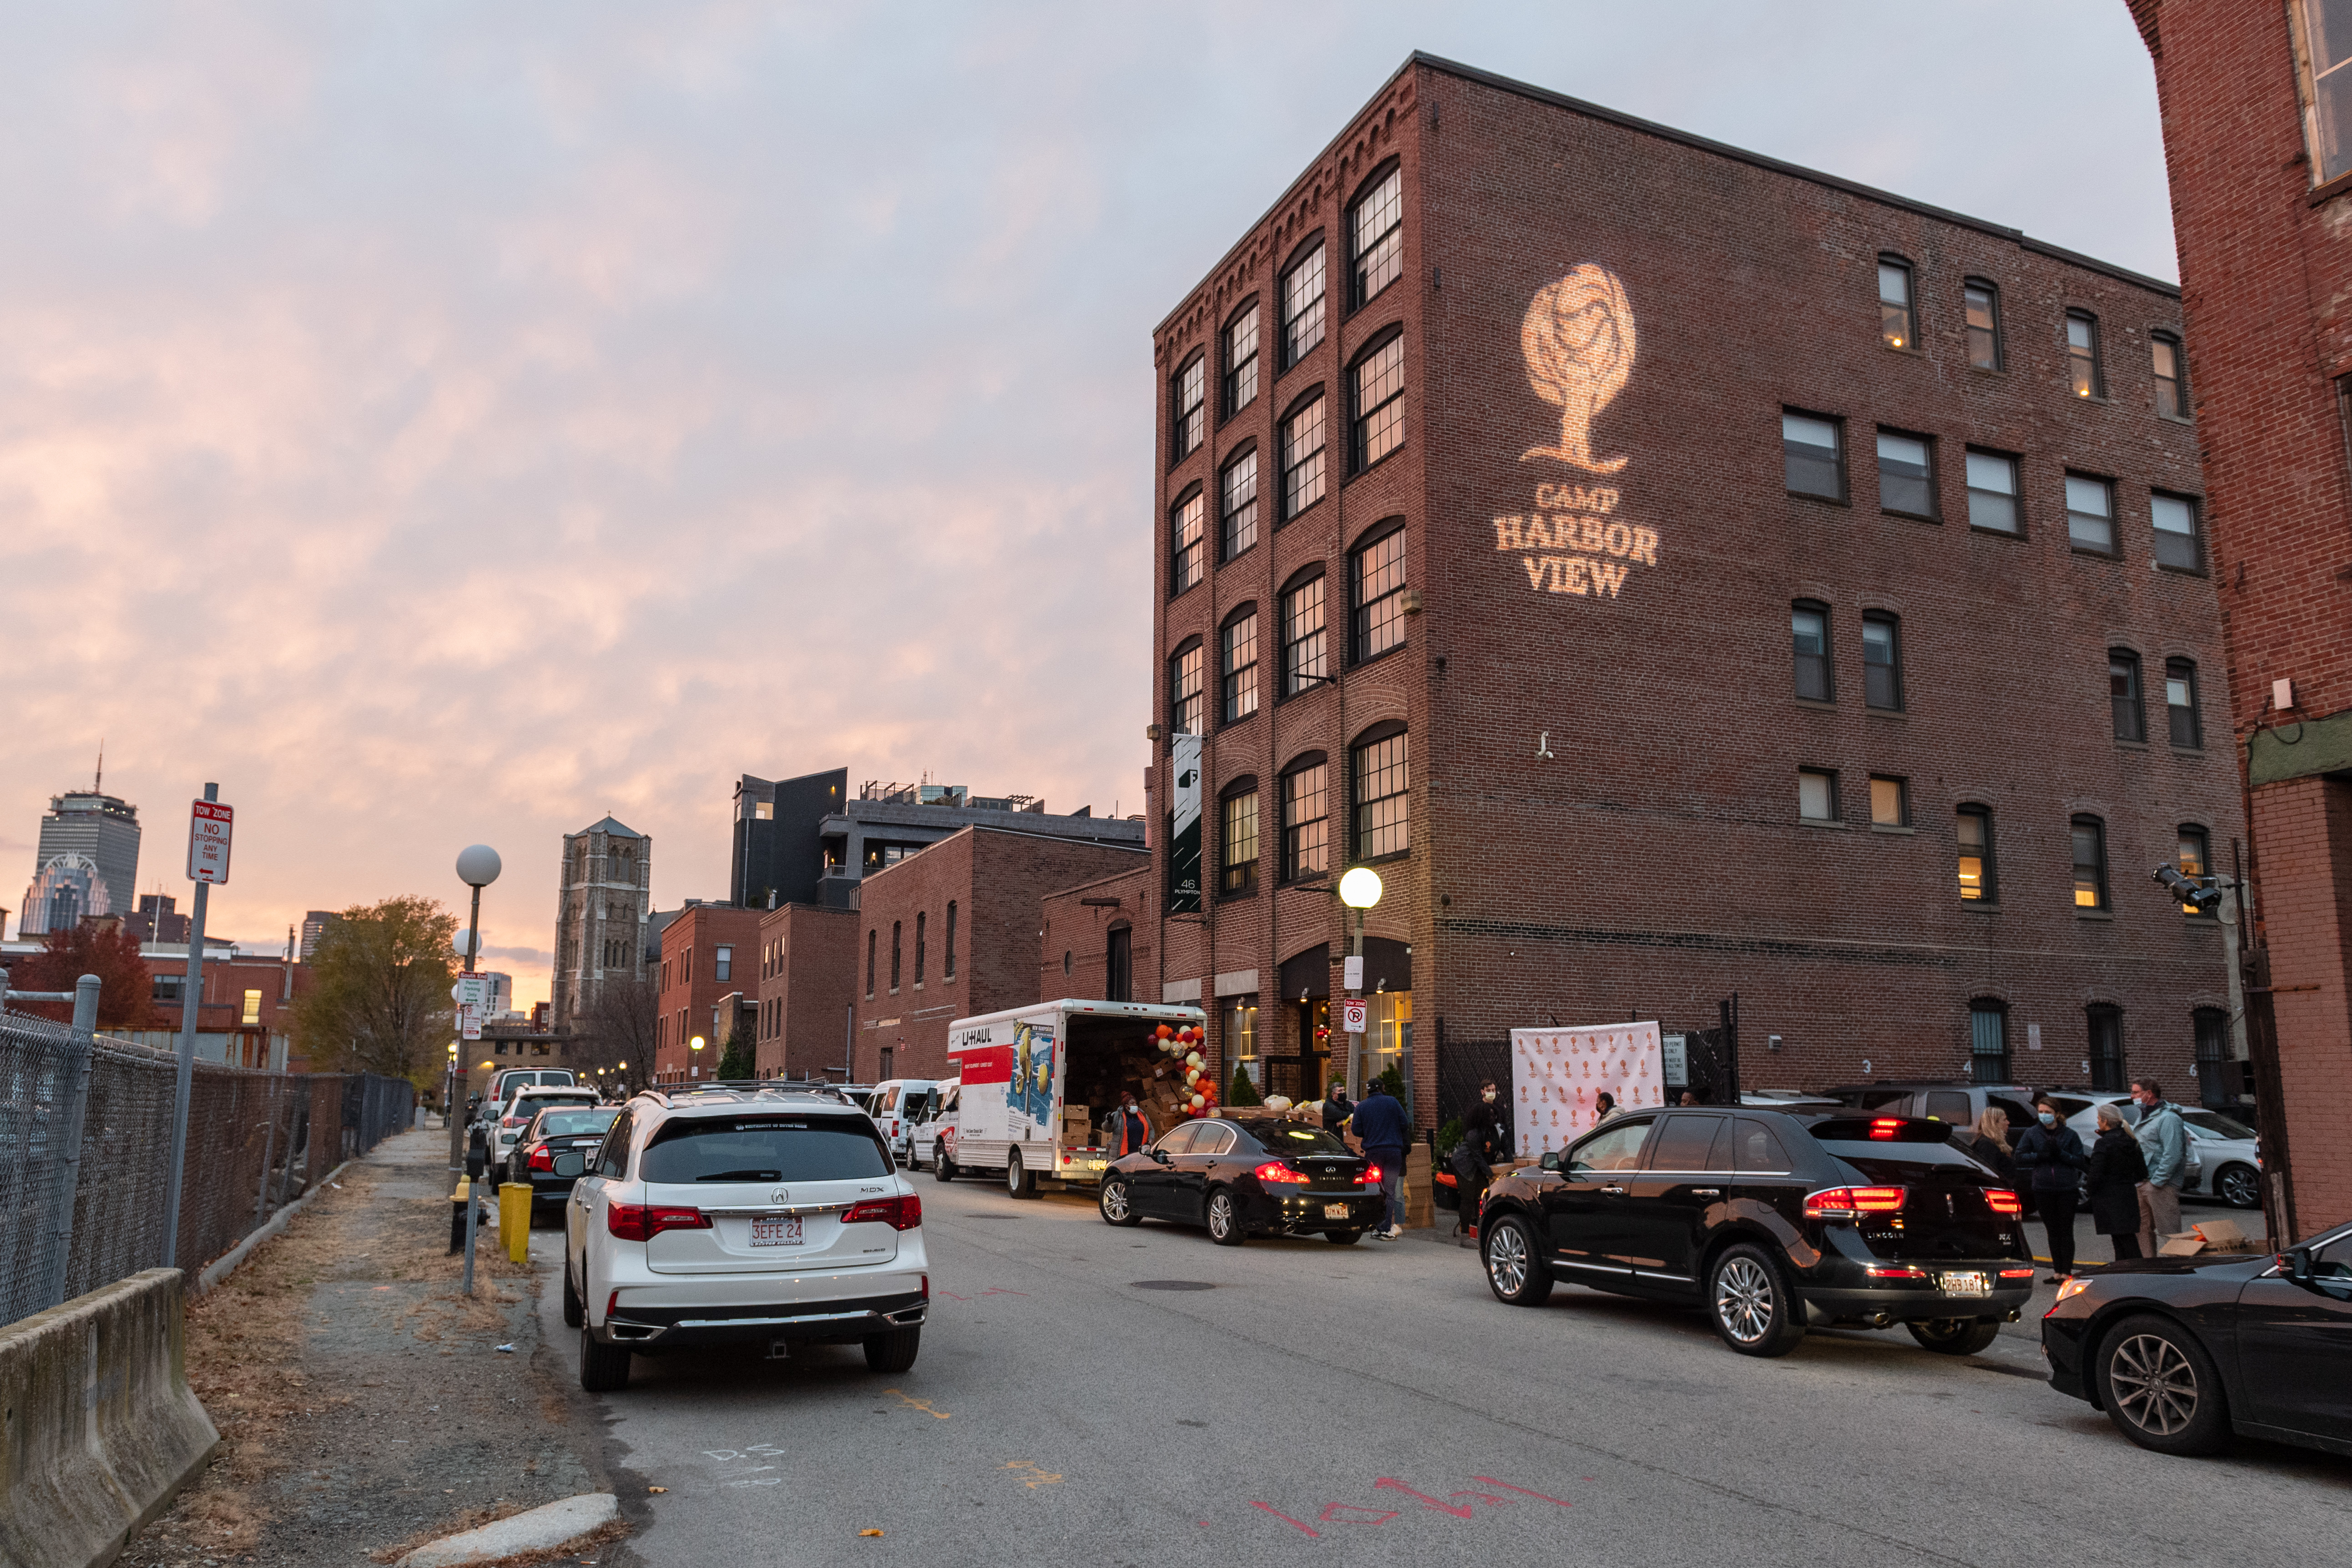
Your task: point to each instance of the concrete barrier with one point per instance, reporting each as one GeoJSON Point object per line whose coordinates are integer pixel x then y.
{"type": "Point", "coordinates": [101, 1429]}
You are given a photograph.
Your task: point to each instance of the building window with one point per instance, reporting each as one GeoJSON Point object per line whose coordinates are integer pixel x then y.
{"type": "Point", "coordinates": [1809, 636]}
{"type": "Point", "coordinates": [2082, 354]}
{"type": "Point", "coordinates": [1816, 795]}
{"type": "Point", "coordinates": [2326, 88]}
{"type": "Point", "coordinates": [1184, 689]}
{"type": "Point", "coordinates": [2180, 703]}
{"type": "Point", "coordinates": [1237, 504]}
{"type": "Point", "coordinates": [1378, 425]}
{"type": "Point", "coordinates": [2090, 514]}
{"type": "Point", "coordinates": [2106, 1046]}
{"type": "Point", "coordinates": [1906, 474]}
{"type": "Point", "coordinates": [1241, 1037]}
{"type": "Point", "coordinates": [2171, 375]}
{"type": "Point", "coordinates": [1118, 965]}
{"type": "Point", "coordinates": [1992, 492]}
{"type": "Point", "coordinates": [722, 963]}
{"type": "Point", "coordinates": [869, 966]}
{"type": "Point", "coordinates": [922, 940]}
{"type": "Point", "coordinates": [1237, 867]}
{"type": "Point", "coordinates": [946, 959]}
{"type": "Point", "coordinates": [1238, 657]}
{"type": "Point", "coordinates": [1187, 542]}
{"type": "Point", "coordinates": [2194, 859]}
{"type": "Point", "coordinates": [894, 957]}
{"type": "Point", "coordinates": [2090, 837]}
{"type": "Point", "coordinates": [1189, 394]}
{"type": "Point", "coordinates": [252, 1014]}
{"type": "Point", "coordinates": [2123, 695]}
{"type": "Point", "coordinates": [1981, 302]}
{"type": "Point", "coordinates": [1305, 811]}
{"type": "Point", "coordinates": [1890, 802]}
{"type": "Point", "coordinates": [1882, 661]}
{"type": "Point", "coordinates": [1376, 571]}
{"type": "Point", "coordinates": [1241, 360]}
{"type": "Point", "coordinates": [1813, 456]}
{"type": "Point", "coordinates": [1302, 459]}
{"type": "Point", "coordinates": [2209, 1027]}
{"type": "Point", "coordinates": [1988, 1041]}
{"type": "Point", "coordinates": [168, 987]}
{"type": "Point", "coordinates": [1974, 826]}
{"type": "Point", "coordinates": [2179, 543]}
{"type": "Point", "coordinates": [1376, 236]}
{"type": "Point", "coordinates": [1302, 307]}
{"type": "Point", "coordinates": [1382, 772]}
{"type": "Point", "coordinates": [1302, 636]}
{"type": "Point", "coordinates": [1894, 328]}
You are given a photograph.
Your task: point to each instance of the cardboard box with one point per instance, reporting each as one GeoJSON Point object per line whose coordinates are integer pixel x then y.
{"type": "Point", "coordinates": [2182, 1244]}
{"type": "Point", "coordinates": [2221, 1235]}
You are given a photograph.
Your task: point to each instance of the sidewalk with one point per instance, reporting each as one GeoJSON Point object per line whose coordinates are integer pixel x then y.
{"type": "Point", "coordinates": [362, 1403]}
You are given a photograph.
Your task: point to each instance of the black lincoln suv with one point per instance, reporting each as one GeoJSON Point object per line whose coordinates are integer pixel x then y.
{"type": "Point", "coordinates": [1774, 1222]}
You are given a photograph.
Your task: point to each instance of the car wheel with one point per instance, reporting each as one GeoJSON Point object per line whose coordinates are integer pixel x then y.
{"type": "Point", "coordinates": [941, 1166]}
{"type": "Point", "coordinates": [1116, 1205]}
{"type": "Point", "coordinates": [1225, 1223]}
{"type": "Point", "coordinates": [1752, 1305]}
{"type": "Point", "coordinates": [603, 1369]}
{"type": "Point", "coordinates": [2239, 1186]}
{"type": "Point", "coordinates": [893, 1351]}
{"type": "Point", "coordinates": [1514, 1272]}
{"type": "Point", "coordinates": [2161, 1389]}
{"type": "Point", "coordinates": [1955, 1336]}
{"type": "Point", "coordinates": [571, 1313]}
{"type": "Point", "coordinates": [1343, 1238]}
{"type": "Point", "coordinates": [1017, 1179]}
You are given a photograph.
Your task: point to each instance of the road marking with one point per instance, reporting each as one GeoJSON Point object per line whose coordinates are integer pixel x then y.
{"type": "Point", "coordinates": [925, 1406]}
{"type": "Point", "coordinates": [1044, 1477]}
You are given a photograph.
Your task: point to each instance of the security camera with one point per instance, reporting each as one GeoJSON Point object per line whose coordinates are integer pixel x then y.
{"type": "Point", "coordinates": [2197, 895]}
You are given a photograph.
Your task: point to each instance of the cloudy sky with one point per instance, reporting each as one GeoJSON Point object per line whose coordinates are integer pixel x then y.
{"type": "Point", "coordinates": [442, 422]}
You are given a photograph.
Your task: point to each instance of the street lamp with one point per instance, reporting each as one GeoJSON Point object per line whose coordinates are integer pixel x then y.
{"type": "Point", "coordinates": [1360, 890]}
{"type": "Point", "coordinates": [696, 1045]}
{"type": "Point", "coordinates": [477, 867]}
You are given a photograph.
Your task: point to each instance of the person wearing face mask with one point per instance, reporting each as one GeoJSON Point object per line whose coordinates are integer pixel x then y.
{"type": "Point", "coordinates": [1126, 1131]}
{"type": "Point", "coordinates": [2050, 1156]}
{"type": "Point", "coordinates": [1485, 1138]}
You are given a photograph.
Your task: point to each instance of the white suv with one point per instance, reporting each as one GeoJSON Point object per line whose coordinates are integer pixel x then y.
{"type": "Point", "coordinates": [743, 1217]}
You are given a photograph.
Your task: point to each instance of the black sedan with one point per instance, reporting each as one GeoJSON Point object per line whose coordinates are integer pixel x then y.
{"type": "Point", "coordinates": [1774, 1222]}
{"type": "Point", "coordinates": [1242, 1175]}
{"type": "Point", "coordinates": [555, 1149]}
{"type": "Point", "coordinates": [2183, 1352]}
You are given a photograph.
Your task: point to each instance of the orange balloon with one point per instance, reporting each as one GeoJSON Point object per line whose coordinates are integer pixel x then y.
{"type": "Point", "coordinates": [1165, 1032]}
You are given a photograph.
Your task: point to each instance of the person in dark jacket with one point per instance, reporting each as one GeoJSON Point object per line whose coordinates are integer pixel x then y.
{"type": "Point", "coordinates": [2050, 1156]}
{"type": "Point", "coordinates": [1990, 1142]}
{"type": "Point", "coordinates": [1125, 1130]}
{"type": "Point", "coordinates": [2117, 1168]}
{"type": "Point", "coordinates": [1336, 1108]}
{"type": "Point", "coordinates": [1485, 1139]}
{"type": "Point", "coordinates": [1382, 1128]}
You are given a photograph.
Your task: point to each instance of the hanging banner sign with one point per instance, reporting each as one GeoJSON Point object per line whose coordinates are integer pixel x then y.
{"type": "Point", "coordinates": [1184, 828]}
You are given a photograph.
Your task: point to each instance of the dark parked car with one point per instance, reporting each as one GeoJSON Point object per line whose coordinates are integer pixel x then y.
{"type": "Point", "coordinates": [555, 1149]}
{"type": "Point", "coordinates": [1238, 1175]}
{"type": "Point", "coordinates": [1774, 1223]}
{"type": "Point", "coordinates": [2183, 1352]}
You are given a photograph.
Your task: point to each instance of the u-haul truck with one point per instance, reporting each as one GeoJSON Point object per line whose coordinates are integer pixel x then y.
{"type": "Point", "coordinates": [1014, 1068]}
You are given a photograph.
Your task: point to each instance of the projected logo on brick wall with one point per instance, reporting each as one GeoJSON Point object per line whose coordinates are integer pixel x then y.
{"type": "Point", "coordinates": [1578, 343]}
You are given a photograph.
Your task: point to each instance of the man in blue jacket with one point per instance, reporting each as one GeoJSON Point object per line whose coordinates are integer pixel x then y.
{"type": "Point", "coordinates": [2164, 1141]}
{"type": "Point", "coordinates": [1381, 1127]}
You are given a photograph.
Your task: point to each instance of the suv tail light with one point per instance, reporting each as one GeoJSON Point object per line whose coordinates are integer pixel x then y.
{"type": "Point", "coordinates": [643, 1222]}
{"type": "Point", "coordinates": [514, 1121]}
{"type": "Point", "coordinates": [1275, 1170]}
{"type": "Point", "coordinates": [1853, 1202]}
{"type": "Point", "coordinates": [2004, 1203]}
{"type": "Point", "coordinates": [899, 1214]}
{"type": "Point", "coordinates": [543, 1158]}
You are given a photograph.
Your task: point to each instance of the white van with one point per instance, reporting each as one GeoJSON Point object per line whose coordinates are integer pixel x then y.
{"type": "Point", "coordinates": [928, 1124]}
{"type": "Point", "coordinates": [1015, 1069]}
{"type": "Point", "coordinates": [894, 1104]}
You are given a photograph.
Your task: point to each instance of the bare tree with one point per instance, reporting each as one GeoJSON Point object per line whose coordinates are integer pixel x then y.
{"type": "Point", "coordinates": [618, 1033]}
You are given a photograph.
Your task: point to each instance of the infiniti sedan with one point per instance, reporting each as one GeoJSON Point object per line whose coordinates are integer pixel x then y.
{"type": "Point", "coordinates": [1242, 1175]}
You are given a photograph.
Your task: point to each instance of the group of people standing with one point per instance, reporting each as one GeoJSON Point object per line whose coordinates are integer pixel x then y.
{"type": "Point", "coordinates": [2134, 1176]}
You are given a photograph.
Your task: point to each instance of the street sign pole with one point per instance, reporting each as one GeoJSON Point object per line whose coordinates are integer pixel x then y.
{"type": "Point", "coordinates": [203, 872]}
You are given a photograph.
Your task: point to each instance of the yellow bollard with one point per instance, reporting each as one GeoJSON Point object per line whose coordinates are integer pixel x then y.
{"type": "Point", "coordinates": [514, 1219]}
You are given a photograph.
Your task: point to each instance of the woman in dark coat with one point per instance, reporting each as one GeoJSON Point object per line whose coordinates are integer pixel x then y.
{"type": "Point", "coordinates": [2117, 1168]}
{"type": "Point", "coordinates": [2050, 1156]}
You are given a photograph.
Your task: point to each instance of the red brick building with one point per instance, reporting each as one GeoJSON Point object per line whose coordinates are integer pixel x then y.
{"type": "Point", "coordinates": [2257, 106]}
{"type": "Point", "coordinates": [952, 932]}
{"type": "Point", "coordinates": [808, 982]}
{"type": "Point", "coordinates": [1680, 574]}
{"type": "Point", "coordinates": [707, 953]}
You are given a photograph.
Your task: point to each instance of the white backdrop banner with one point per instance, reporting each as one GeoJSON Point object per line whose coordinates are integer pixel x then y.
{"type": "Point", "coordinates": [1557, 1075]}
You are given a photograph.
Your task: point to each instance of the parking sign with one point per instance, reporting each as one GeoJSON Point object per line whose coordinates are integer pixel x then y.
{"type": "Point", "coordinates": [208, 832]}
{"type": "Point", "coordinates": [1351, 1015]}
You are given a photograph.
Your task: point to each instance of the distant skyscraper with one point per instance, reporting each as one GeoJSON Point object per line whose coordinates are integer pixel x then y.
{"type": "Point", "coordinates": [314, 926]}
{"type": "Point", "coordinates": [87, 862]}
{"type": "Point", "coordinates": [600, 914]}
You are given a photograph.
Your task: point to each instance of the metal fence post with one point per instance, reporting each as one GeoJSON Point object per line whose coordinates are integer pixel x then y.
{"type": "Point", "coordinates": [73, 1099]}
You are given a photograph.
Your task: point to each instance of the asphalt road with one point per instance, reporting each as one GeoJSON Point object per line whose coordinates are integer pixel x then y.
{"type": "Point", "coordinates": [1374, 1405]}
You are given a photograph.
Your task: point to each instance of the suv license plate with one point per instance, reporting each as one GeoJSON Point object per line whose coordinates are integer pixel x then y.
{"type": "Point", "coordinates": [1334, 1211]}
{"type": "Point", "coordinates": [1971, 1282]}
{"type": "Point", "coordinates": [785, 1231]}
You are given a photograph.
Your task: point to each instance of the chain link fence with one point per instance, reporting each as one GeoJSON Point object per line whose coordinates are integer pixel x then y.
{"type": "Point", "coordinates": [86, 1142]}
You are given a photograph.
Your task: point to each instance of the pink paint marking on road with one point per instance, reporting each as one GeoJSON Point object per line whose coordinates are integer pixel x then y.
{"type": "Point", "coordinates": [1351, 1514]}
{"type": "Point", "coordinates": [1287, 1519]}
{"type": "Point", "coordinates": [1521, 1491]}
{"type": "Point", "coordinates": [1392, 1484]}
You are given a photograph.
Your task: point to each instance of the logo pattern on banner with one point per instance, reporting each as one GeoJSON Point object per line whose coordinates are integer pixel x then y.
{"type": "Point", "coordinates": [1557, 1077]}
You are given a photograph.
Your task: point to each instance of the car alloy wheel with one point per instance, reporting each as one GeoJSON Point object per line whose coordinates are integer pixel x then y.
{"type": "Point", "coordinates": [2238, 1186]}
{"type": "Point", "coordinates": [1225, 1225]}
{"type": "Point", "coordinates": [1517, 1275]}
{"type": "Point", "coordinates": [2154, 1385]}
{"type": "Point", "coordinates": [1743, 1300]}
{"type": "Point", "coordinates": [1117, 1203]}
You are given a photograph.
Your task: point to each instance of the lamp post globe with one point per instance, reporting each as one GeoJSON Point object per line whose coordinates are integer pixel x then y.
{"type": "Point", "coordinates": [1361, 888]}
{"type": "Point", "coordinates": [478, 865]}
{"type": "Point", "coordinates": [461, 945]}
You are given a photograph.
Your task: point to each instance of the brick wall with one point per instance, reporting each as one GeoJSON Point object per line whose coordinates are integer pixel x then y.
{"type": "Point", "coordinates": [1075, 935]}
{"type": "Point", "coordinates": [808, 981]}
{"type": "Point", "coordinates": [690, 985]}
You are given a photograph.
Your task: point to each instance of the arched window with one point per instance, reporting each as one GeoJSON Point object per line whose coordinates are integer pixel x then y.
{"type": "Point", "coordinates": [1380, 772]}
{"type": "Point", "coordinates": [1187, 400]}
{"type": "Point", "coordinates": [1973, 828]}
{"type": "Point", "coordinates": [1305, 817]}
{"type": "Point", "coordinates": [2211, 1030]}
{"type": "Point", "coordinates": [2124, 695]}
{"type": "Point", "coordinates": [1809, 642]}
{"type": "Point", "coordinates": [1303, 663]}
{"type": "Point", "coordinates": [1376, 574]}
{"type": "Point", "coordinates": [2082, 373]}
{"type": "Point", "coordinates": [1188, 548]}
{"type": "Point", "coordinates": [1237, 664]}
{"type": "Point", "coordinates": [2171, 368]}
{"type": "Point", "coordinates": [2105, 1048]}
{"type": "Point", "coordinates": [1376, 404]}
{"type": "Point", "coordinates": [1237, 505]}
{"type": "Point", "coordinates": [1302, 303]}
{"type": "Point", "coordinates": [2195, 859]}
{"type": "Point", "coordinates": [1376, 235]}
{"type": "Point", "coordinates": [1241, 358]}
{"type": "Point", "coordinates": [947, 965]}
{"type": "Point", "coordinates": [869, 966]}
{"type": "Point", "coordinates": [1118, 964]}
{"type": "Point", "coordinates": [2180, 703]}
{"type": "Point", "coordinates": [1184, 688]}
{"type": "Point", "coordinates": [894, 957]}
{"type": "Point", "coordinates": [1987, 1040]}
{"type": "Point", "coordinates": [2090, 839]}
{"type": "Point", "coordinates": [1980, 302]}
{"type": "Point", "coordinates": [1237, 842]}
{"type": "Point", "coordinates": [922, 932]}
{"type": "Point", "coordinates": [1302, 456]}
{"type": "Point", "coordinates": [1882, 661]}
{"type": "Point", "coordinates": [1896, 328]}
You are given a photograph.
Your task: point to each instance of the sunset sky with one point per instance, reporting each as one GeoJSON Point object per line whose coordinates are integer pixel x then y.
{"type": "Point", "coordinates": [440, 422]}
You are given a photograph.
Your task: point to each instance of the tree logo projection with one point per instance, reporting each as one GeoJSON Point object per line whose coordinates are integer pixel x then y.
{"type": "Point", "coordinates": [1579, 341]}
